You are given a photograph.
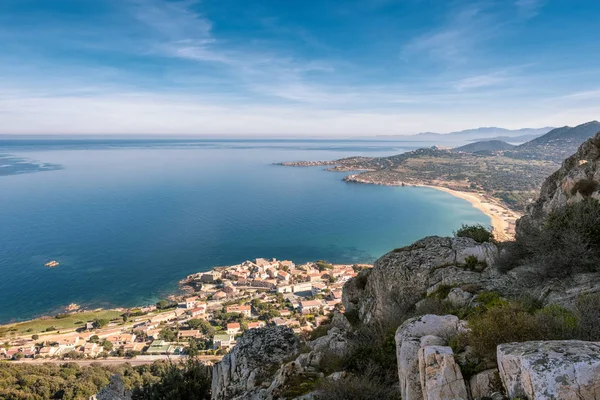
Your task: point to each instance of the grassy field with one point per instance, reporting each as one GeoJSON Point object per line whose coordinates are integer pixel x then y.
{"type": "Point", "coordinates": [69, 322]}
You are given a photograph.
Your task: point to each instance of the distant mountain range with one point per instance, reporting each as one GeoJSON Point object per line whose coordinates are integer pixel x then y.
{"type": "Point", "coordinates": [472, 135]}
{"type": "Point", "coordinates": [555, 145]}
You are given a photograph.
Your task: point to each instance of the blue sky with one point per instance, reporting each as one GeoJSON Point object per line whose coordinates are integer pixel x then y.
{"type": "Point", "coordinates": [287, 67]}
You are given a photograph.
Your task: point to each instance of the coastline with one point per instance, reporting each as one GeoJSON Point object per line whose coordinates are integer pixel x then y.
{"type": "Point", "coordinates": [503, 220]}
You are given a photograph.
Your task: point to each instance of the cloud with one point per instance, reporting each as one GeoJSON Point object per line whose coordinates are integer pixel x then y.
{"type": "Point", "coordinates": [529, 8]}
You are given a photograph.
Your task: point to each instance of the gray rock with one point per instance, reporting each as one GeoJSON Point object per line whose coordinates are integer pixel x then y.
{"type": "Point", "coordinates": [441, 378]}
{"type": "Point", "coordinates": [409, 336]}
{"type": "Point", "coordinates": [115, 390]}
{"type": "Point", "coordinates": [485, 384]}
{"type": "Point", "coordinates": [459, 298]}
{"type": "Point", "coordinates": [242, 373]}
{"type": "Point", "coordinates": [565, 370]}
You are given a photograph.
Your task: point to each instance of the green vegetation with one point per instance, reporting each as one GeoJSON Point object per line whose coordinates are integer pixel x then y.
{"type": "Point", "coordinates": [72, 321]}
{"type": "Point", "coordinates": [568, 241]}
{"type": "Point", "coordinates": [188, 380]}
{"type": "Point", "coordinates": [476, 232]}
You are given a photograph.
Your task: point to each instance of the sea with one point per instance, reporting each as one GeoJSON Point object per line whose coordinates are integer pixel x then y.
{"type": "Point", "coordinates": [128, 219]}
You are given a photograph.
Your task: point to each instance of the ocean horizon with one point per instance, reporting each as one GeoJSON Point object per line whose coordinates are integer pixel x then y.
{"type": "Point", "coordinates": [127, 220]}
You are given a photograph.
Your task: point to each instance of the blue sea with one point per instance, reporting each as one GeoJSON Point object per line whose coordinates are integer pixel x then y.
{"type": "Point", "coordinates": [127, 219]}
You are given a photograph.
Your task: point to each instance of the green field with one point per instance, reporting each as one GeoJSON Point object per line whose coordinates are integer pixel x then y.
{"type": "Point", "coordinates": [69, 322]}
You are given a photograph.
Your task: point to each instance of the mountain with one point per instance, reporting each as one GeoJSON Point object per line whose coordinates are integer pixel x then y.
{"type": "Point", "coordinates": [557, 144]}
{"type": "Point", "coordinates": [484, 146]}
{"type": "Point", "coordinates": [512, 139]}
{"type": "Point", "coordinates": [469, 135]}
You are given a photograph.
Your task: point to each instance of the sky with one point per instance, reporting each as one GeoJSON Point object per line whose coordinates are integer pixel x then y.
{"type": "Point", "coordinates": [340, 68]}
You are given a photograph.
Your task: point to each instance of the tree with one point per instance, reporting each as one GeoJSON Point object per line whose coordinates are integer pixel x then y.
{"type": "Point", "coordinates": [94, 339]}
{"type": "Point", "coordinates": [163, 304]}
{"type": "Point", "coordinates": [106, 345]}
{"type": "Point", "coordinates": [189, 380]}
{"type": "Point", "coordinates": [35, 337]}
{"type": "Point", "coordinates": [101, 322]}
{"type": "Point", "coordinates": [168, 334]}
{"type": "Point", "coordinates": [204, 326]}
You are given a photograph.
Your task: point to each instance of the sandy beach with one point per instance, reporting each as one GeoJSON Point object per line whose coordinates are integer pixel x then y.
{"type": "Point", "coordinates": [503, 219]}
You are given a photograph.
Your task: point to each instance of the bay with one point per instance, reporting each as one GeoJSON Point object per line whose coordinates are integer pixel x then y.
{"type": "Point", "coordinates": [128, 219]}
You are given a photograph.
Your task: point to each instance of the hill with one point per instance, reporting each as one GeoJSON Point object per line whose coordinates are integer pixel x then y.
{"type": "Point", "coordinates": [557, 144]}
{"type": "Point", "coordinates": [470, 135]}
{"type": "Point", "coordinates": [485, 146]}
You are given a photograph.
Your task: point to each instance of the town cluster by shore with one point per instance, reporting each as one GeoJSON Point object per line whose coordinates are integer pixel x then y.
{"type": "Point", "coordinates": [217, 307]}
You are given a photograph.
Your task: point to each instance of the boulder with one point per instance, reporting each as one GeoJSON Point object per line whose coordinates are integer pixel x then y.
{"type": "Point", "coordinates": [459, 298]}
{"type": "Point", "coordinates": [410, 337]}
{"type": "Point", "coordinates": [403, 277]}
{"type": "Point", "coordinates": [115, 390]}
{"type": "Point", "coordinates": [485, 384]}
{"type": "Point", "coordinates": [255, 363]}
{"type": "Point", "coordinates": [334, 342]}
{"type": "Point", "coordinates": [565, 370]}
{"type": "Point", "coordinates": [440, 376]}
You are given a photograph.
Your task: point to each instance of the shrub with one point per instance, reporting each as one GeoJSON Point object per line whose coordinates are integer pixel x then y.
{"type": "Point", "coordinates": [567, 242]}
{"type": "Point", "coordinates": [441, 292]}
{"type": "Point", "coordinates": [357, 387]}
{"type": "Point", "coordinates": [319, 331]}
{"type": "Point", "coordinates": [587, 312]}
{"type": "Point", "coordinates": [476, 232]}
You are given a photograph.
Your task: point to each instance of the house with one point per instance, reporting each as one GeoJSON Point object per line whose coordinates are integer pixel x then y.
{"type": "Point", "coordinates": [92, 349]}
{"type": "Point", "coordinates": [245, 309]}
{"type": "Point", "coordinates": [280, 321]}
{"type": "Point", "coordinates": [210, 277]}
{"type": "Point", "coordinates": [287, 263]}
{"type": "Point", "coordinates": [302, 287]}
{"type": "Point", "coordinates": [223, 341]}
{"type": "Point", "coordinates": [47, 351]}
{"type": "Point", "coordinates": [261, 262]}
{"type": "Point", "coordinates": [285, 313]}
{"type": "Point", "coordinates": [285, 289]}
{"type": "Point", "coordinates": [335, 295]}
{"type": "Point", "coordinates": [233, 328]}
{"type": "Point", "coordinates": [121, 339]}
{"type": "Point", "coordinates": [133, 346]}
{"type": "Point", "coordinates": [198, 311]}
{"type": "Point", "coordinates": [317, 288]}
{"type": "Point", "coordinates": [194, 333]}
{"type": "Point", "coordinates": [190, 302]}
{"type": "Point", "coordinates": [309, 306]}
{"type": "Point", "coordinates": [282, 275]}
{"type": "Point", "coordinates": [220, 295]}
{"type": "Point", "coordinates": [256, 325]}
{"type": "Point", "coordinates": [314, 277]}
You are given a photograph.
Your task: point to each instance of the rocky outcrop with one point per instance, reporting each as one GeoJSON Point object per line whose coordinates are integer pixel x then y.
{"type": "Point", "coordinates": [404, 276]}
{"type": "Point", "coordinates": [485, 384]}
{"type": "Point", "coordinates": [411, 337]}
{"type": "Point", "coordinates": [248, 371]}
{"type": "Point", "coordinates": [441, 378]}
{"type": "Point", "coordinates": [565, 370]}
{"type": "Point", "coordinates": [115, 390]}
{"type": "Point", "coordinates": [577, 178]}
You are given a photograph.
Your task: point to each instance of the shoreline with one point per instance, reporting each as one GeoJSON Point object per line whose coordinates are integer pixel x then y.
{"type": "Point", "coordinates": [503, 220]}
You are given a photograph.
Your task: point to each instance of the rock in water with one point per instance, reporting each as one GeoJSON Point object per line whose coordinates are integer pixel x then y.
{"type": "Point", "coordinates": [247, 371]}
{"type": "Point", "coordinates": [562, 370]}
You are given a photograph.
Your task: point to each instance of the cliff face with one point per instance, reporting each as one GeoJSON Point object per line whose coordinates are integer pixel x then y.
{"type": "Point", "coordinates": [247, 372]}
{"type": "Point", "coordinates": [577, 178]}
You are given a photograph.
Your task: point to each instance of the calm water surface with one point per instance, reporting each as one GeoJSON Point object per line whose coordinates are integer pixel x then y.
{"type": "Point", "coordinates": [127, 221]}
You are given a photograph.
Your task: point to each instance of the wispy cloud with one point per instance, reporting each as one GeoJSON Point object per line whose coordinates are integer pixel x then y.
{"type": "Point", "coordinates": [529, 8]}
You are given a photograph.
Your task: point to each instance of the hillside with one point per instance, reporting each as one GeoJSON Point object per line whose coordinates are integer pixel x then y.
{"type": "Point", "coordinates": [484, 146]}
{"type": "Point", "coordinates": [469, 135]}
{"type": "Point", "coordinates": [557, 144]}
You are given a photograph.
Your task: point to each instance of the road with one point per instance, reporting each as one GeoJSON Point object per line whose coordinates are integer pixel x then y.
{"type": "Point", "coordinates": [140, 360]}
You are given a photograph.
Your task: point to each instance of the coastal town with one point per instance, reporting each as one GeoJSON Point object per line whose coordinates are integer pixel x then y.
{"type": "Point", "coordinates": [217, 307]}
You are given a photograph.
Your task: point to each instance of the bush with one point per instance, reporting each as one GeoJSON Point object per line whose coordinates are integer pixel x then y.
{"type": "Point", "coordinates": [357, 387]}
{"type": "Point", "coordinates": [567, 242]}
{"type": "Point", "coordinates": [319, 331]}
{"type": "Point", "coordinates": [511, 322]}
{"type": "Point", "coordinates": [476, 232]}
{"type": "Point", "coordinates": [587, 312]}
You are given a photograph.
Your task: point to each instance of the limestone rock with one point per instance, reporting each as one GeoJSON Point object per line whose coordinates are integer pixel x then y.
{"type": "Point", "coordinates": [242, 373]}
{"type": "Point", "coordinates": [334, 342]}
{"type": "Point", "coordinates": [409, 338]}
{"type": "Point", "coordinates": [565, 370]}
{"type": "Point", "coordinates": [441, 378]}
{"type": "Point", "coordinates": [578, 173]}
{"type": "Point", "coordinates": [485, 384]}
{"type": "Point", "coordinates": [115, 390]}
{"type": "Point", "coordinates": [459, 298]}
{"type": "Point", "coordinates": [402, 277]}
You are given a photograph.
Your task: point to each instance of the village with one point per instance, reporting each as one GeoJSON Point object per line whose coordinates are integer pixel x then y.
{"type": "Point", "coordinates": [218, 306]}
